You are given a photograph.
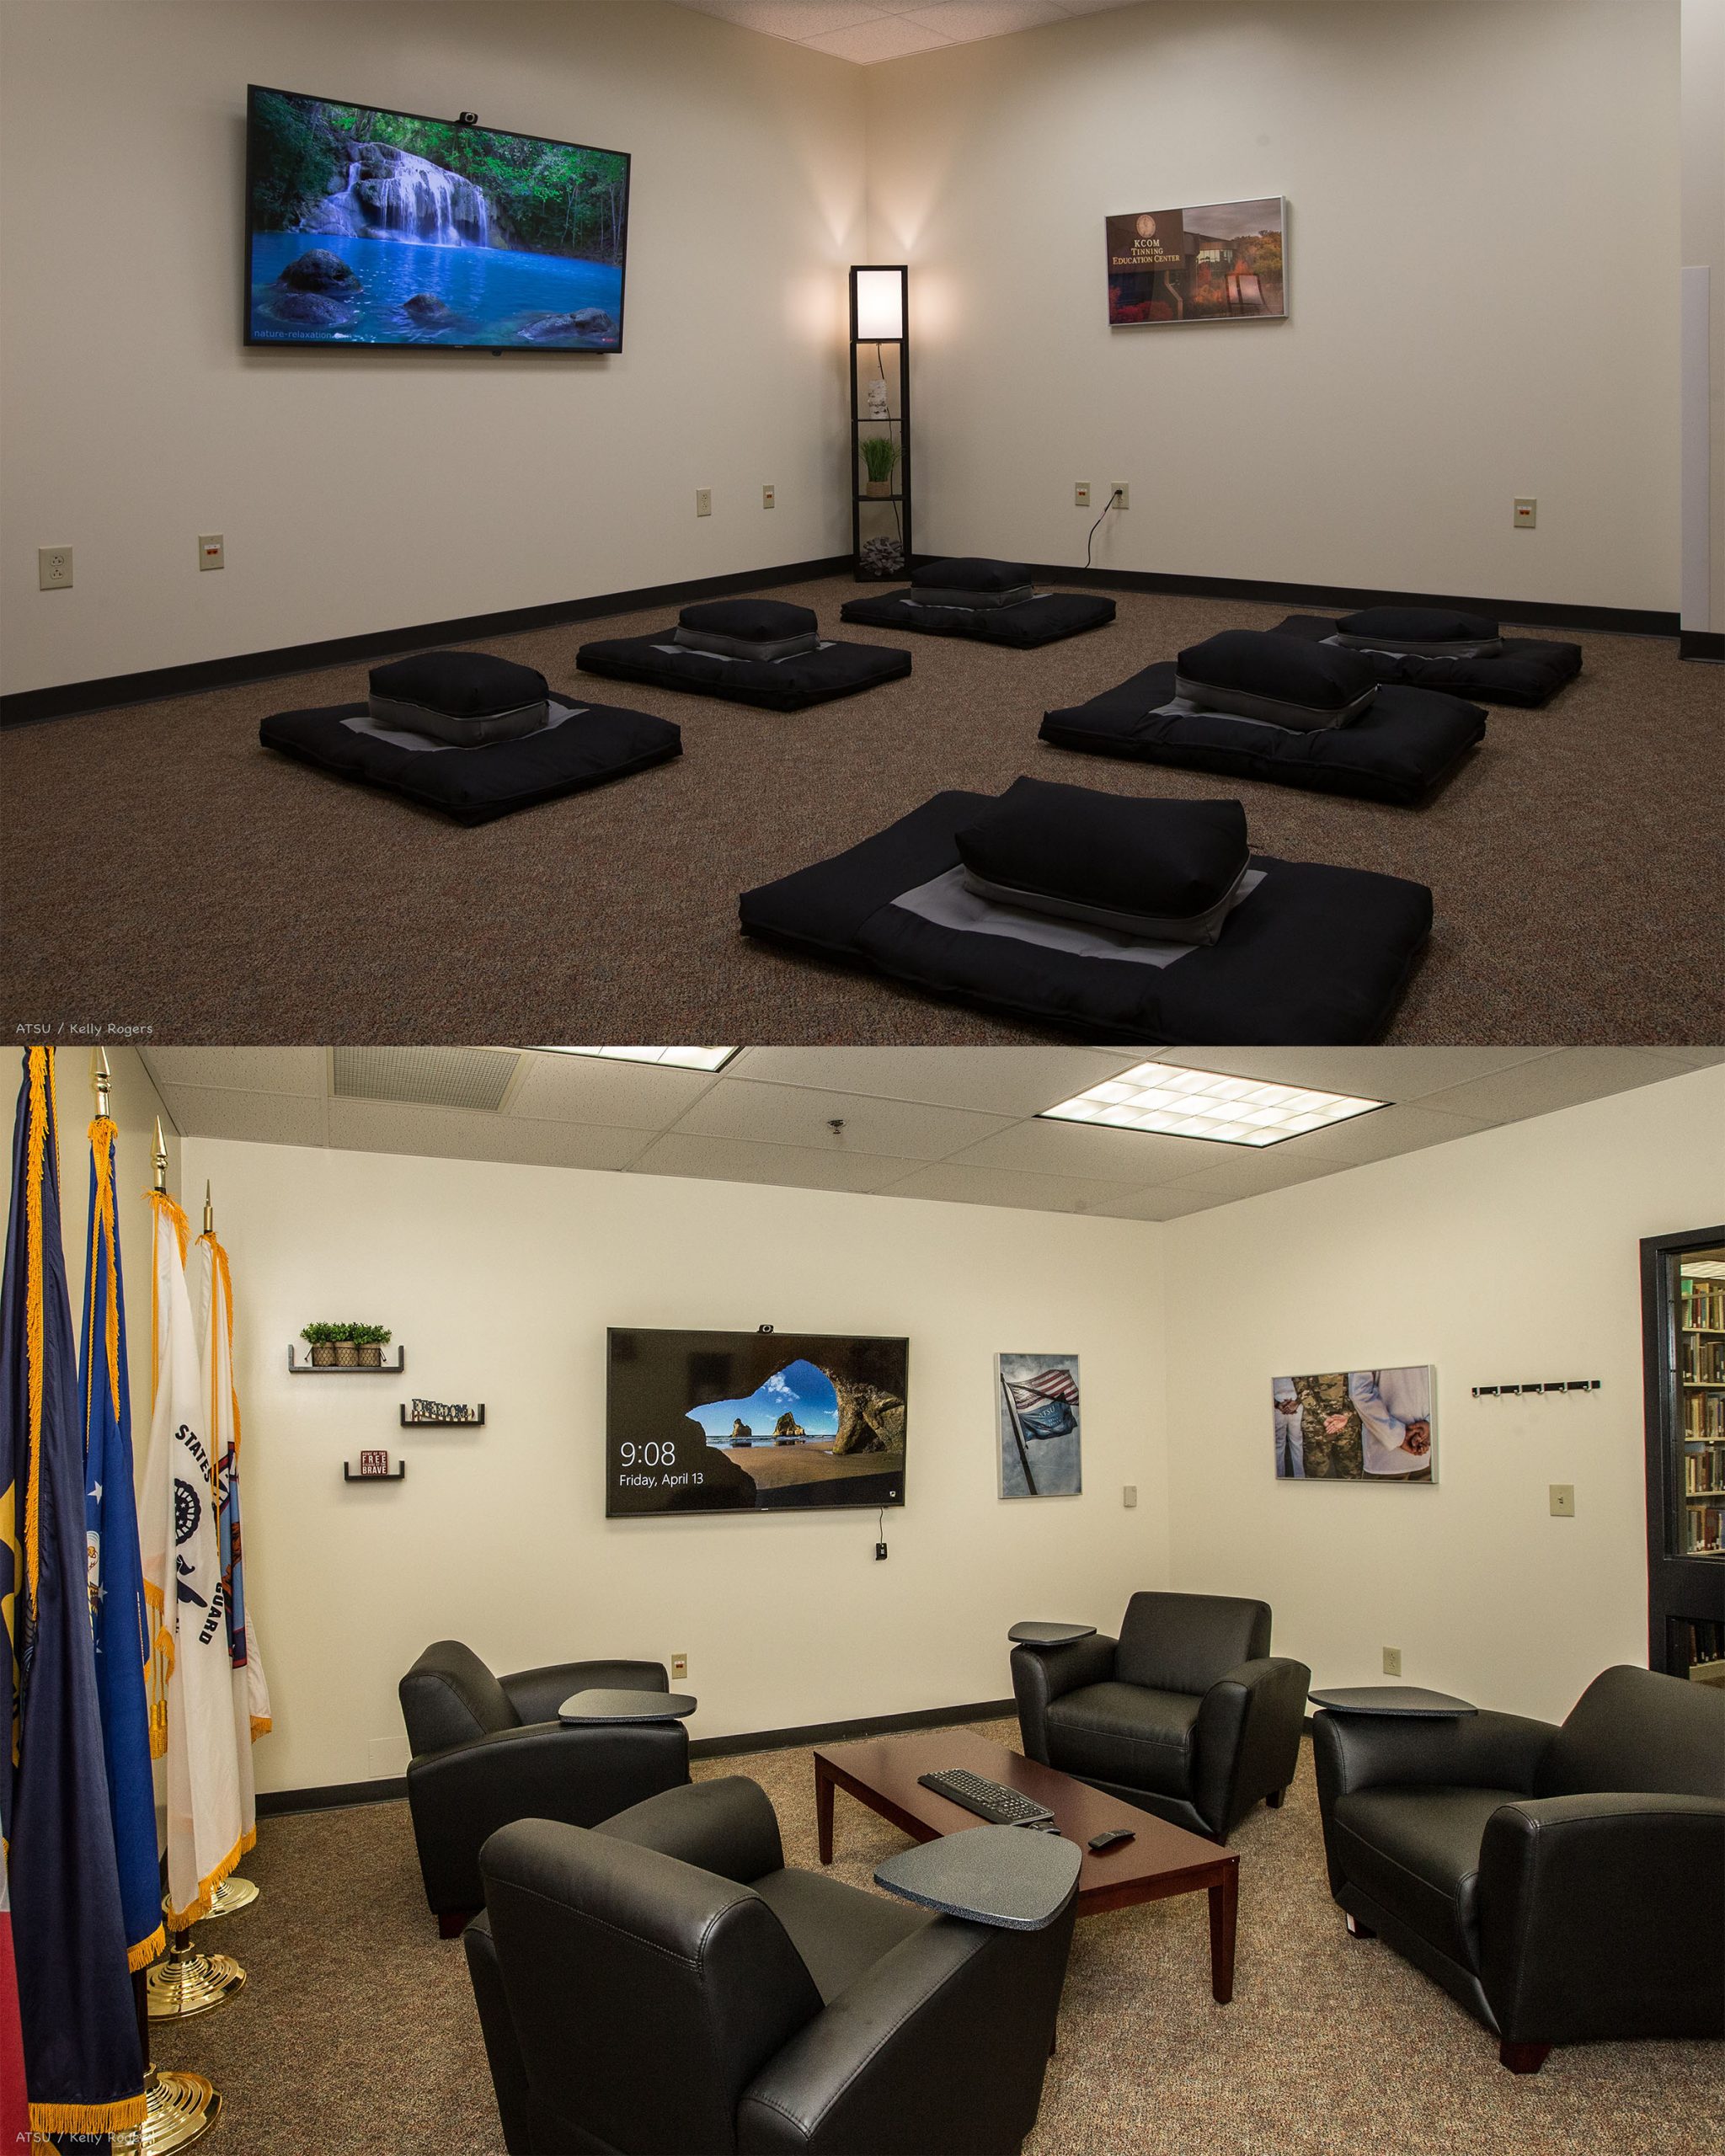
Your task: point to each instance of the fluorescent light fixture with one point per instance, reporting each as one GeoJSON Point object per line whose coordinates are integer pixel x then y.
{"type": "Point", "coordinates": [680, 1058]}
{"type": "Point", "coordinates": [880, 303]}
{"type": "Point", "coordinates": [1162, 1097]}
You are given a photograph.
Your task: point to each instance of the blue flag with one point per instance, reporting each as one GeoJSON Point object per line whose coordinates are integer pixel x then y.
{"type": "Point", "coordinates": [84, 2065]}
{"type": "Point", "coordinates": [116, 1572]}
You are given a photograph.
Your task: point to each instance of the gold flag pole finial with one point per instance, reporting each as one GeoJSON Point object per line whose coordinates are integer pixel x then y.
{"type": "Point", "coordinates": [208, 1210]}
{"type": "Point", "coordinates": [99, 1075]}
{"type": "Point", "coordinates": [160, 1158]}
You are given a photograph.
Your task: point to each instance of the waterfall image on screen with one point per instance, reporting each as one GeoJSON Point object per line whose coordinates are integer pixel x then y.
{"type": "Point", "coordinates": [372, 227]}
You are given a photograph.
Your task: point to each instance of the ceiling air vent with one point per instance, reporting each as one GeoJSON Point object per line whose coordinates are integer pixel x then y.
{"type": "Point", "coordinates": [434, 1077]}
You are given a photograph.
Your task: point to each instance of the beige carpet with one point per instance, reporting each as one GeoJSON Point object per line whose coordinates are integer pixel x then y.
{"type": "Point", "coordinates": [356, 2035]}
{"type": "Point", "coordinates": [161, 870]}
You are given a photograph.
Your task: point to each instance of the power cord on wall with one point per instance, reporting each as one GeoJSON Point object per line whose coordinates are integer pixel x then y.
{"type": "Point", "coordinates": [1114, 497]}
{"type": "Point", "coordinates": [880, 1536]}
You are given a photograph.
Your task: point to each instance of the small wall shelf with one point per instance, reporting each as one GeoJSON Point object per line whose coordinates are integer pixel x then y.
{"type": "Point", "coordinates": [475, 1421]}
{"type": "Point", "coordinates": [346, 1369]}
{"type": "Point", "coordinates": [397, 1474]}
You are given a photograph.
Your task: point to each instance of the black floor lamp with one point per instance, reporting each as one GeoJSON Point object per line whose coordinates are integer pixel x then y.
{"type": "Point", "coordinates": [880, 422]}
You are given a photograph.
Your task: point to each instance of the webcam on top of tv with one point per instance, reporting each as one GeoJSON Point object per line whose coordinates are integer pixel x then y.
{"type": "Point", "coordinates": [467, 119]}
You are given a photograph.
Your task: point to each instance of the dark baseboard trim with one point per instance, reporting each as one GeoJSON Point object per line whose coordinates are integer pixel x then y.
{"type": "Point", "coordinates": [1702, 644]}
{"type": "Point", "coordinates": [1623, 621]}
{"type": "Point", "coordinates": [29, 706]}
{"type": "Point", "coordinates": [277, 1802]}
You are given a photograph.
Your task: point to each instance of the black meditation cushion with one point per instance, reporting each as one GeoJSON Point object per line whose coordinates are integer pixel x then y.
{"type": "Point", "coordinates": [1155, 869]}
{"type": "Point", "coordinates": [971, 573]}
{"type": "Point", "coordinates": [1284, 680]}
{"type": "Point", "coordinates": [464, 696]}
{"type": "Point", "coordinates": [750, 621]}
{"type": "Point", "coordinates": [1434, 629]}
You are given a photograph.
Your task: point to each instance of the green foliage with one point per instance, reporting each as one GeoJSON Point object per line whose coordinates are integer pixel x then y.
{"type": "Point", "coordinates": [546, 198]}
{"type": "Point", "coordinates": [319, 1333]}
{"type": "Point", "coordinates": [367, 1336]}
{"type": "Point", "coordinates": [881, 453]}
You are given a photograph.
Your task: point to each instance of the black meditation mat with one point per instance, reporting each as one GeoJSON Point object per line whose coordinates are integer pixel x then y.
{"type": "Point", "coordinates": [1402, 745]}
{"type": "Point", "coordinates": [589, 744]}
{"type": "Point", "coordinates": [1031, 621]}
{"type": "Point", "coordinates": [1527, 671]}
{"type": "Point", "coordinates": [1310, 954]}
{"type": "Point", "coordinates": [811, 677]}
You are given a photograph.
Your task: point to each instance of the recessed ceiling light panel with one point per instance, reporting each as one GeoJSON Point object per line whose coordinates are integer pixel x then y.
{"type": "Point", "coordinates": [1162, 1098]}
{"type": "Point", "coordinates": [680, 1059]}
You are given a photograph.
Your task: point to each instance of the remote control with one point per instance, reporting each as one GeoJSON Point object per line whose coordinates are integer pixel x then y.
{"type": "Point", "coordinates": [1110, 1838]}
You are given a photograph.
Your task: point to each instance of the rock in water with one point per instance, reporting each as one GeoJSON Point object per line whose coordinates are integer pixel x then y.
{"type": "Point", "coordinates": [318, 270]}
{"type": "Point", "coordinates": [589, 322]}
{"type": "Point", "coordinates": [316, 308]}
{"type": "Point", "coordinates": [429, 311]}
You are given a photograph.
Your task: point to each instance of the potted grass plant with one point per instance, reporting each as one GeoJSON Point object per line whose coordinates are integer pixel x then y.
{"type": "Point", "coordinates": [880, 454]}
{"type": "Point", "coordinates": [324, 1340]}
{"type": "Point", "coordinates": [369, 1340]}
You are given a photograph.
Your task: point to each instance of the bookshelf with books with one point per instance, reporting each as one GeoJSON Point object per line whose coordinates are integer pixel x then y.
{"type": "Point", "coordinates": [1683, 1288]}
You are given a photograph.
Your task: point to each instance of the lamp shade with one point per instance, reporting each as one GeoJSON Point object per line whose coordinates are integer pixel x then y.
{"type": "Point", "coordinates": [880, 303]}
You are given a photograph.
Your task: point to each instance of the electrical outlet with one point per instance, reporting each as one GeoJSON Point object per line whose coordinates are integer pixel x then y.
{"type": "Point", "coordinates": [767, 497]}
{"type": "Point", "coordinates": [1081, 494]}
{"type": "Point", "coordinates": [703, 501]}
{"type": "Point", "coordinates": [54, 568]}
{"type": "Point", "coordinates": [210, 555]}
{"type": "Point", "coordinates": [680, 1667]}
{"type": "Point", "coordinates": [1120, 497]}
{"type": "Point", "coordinates": [1563, 1501]}
{"type": "Point", "coordinates": [1392, 1661]}
{"type": "Point", "coordinates": [1527, 512]}
{"type": "Point", "coordinates": [1129, 1495]}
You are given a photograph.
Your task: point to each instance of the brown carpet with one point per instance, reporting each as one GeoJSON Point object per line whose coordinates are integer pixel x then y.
{"type": "Point", "coordinates": [356, 2036]}
{"type": "Point", "coordinates": [163, 871]}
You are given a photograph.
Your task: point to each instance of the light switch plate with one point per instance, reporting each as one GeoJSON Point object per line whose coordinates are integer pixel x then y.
{"type": "Point", "coordinates": [703, 501]}
{"type": "Point", "coordinates": [212, 551]}
{"type": "Point", "coordinates": [1081, 494]}
{"type": "Point", "coordinates": [766, 494]}
{"type": "Point", "coordinates": [1129, 1496]}
{"type": "Point", "coordinates": [1563, 1501]}
{"type": "Point", "coordinates": [1527, 512]}
{"type": "Point", "coordinates": [679, 1666]}
{"type": "Point", "coordinates": [54, 568]}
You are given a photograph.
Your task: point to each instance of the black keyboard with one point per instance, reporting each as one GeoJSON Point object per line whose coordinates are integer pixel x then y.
{"type": "Point", "coordinates": [991, 1800]}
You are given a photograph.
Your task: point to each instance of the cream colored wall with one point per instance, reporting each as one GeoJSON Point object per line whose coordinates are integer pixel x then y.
{"type": "Point", "coordinates": [370, 490]}
{"type": "Point", "coordinates": [1703, 51]}
{"type": "Point", "coordinates": [500, 1281]}
{"type": "Point", "coordinates": [1509, 1256]}
{"type": "Point", "coordinates": [1483, 263]}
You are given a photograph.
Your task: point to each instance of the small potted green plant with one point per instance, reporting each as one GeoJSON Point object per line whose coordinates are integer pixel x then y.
{"type": "Point", "coordinates": [881, 453]}
{"type": "Point", "coordinates": [369, 1342]}
{"type": "Point", "coordinates": [324, 1341]}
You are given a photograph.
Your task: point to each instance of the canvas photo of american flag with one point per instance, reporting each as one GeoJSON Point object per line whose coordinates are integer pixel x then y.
{"type": "Point", "coordinates": [1036, 1402]}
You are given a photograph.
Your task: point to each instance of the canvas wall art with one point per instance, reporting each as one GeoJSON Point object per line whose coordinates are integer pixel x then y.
{"type": "Point", "coordinates": [1356, 1426]}
{"type": "Point", "coordinates": [1216, 262]}
{"type": "Point", "coordinates": [1036, 1399]}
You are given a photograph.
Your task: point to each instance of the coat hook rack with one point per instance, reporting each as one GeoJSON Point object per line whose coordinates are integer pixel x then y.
{"type": "Point", "coordinates": [1551, 1384]}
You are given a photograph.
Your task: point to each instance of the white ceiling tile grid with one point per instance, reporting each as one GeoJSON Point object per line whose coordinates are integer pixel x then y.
{"type": "Point", "coordinates": [958, 1126]}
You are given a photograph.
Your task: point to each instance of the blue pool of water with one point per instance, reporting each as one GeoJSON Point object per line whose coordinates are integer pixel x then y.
{"type": "Point", "coordinates": [493, 293]}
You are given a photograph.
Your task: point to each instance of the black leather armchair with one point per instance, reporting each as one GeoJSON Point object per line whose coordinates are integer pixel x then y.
{"type": "Point", "coordinates": [1185, 1714]}
{"type": "Point", "coordinates": [664, 1984]}
{"type": "Point", "coordinates": [1564, 1883]}
{"type": "Point", "coordinates": [489, 1750]}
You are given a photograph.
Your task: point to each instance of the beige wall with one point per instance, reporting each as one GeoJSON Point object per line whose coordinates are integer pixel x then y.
{"type": "Point", "coordinates": [369, 490]}
{"type": "Point", "coordinates": [1703, 51]}
{"type": "Point", "coordinates": [1483, 284]}
{"type": "Point", "coordinates": [500, 1281]}
{"type": "Point", "coordinates": [1508, 1256]}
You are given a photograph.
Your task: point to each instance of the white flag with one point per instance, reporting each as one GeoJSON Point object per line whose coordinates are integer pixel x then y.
{"type": "Point", "coordinates": [251, 1689]}
{"type": "Point", "coordinates": [191, 1673]}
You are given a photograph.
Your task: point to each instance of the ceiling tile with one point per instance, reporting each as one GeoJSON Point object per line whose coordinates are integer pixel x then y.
{"type": "Point", "coordinates": [1248, 1174]}
{"type": "Point", "coordinates": [1376, 1136]}
{"type": "Point", "coordinates": [792, 18]}
{"type": "Point", "coordinates": [259, 1119]}
{"type": "Point", "coordinates": [1131, 1158]}
{"type": "Point", "coordinates": [965, 20]}
{"type": "Point", "coordinates": [1691, 1059]}
{"type": "Point", "coordinates": [1377, 1074]}
{"type": "Point", "coordinates": [796, 1115]}
{"type": "Point", "coordinates": [587, 1089]}
{"type": "Point", "coordinates": [475, 1134]}
{"type": "Point", "coordinates": [1012, 1082]}
{"type": "Point", "coordinates": [1168, 1203]}
{"type": "Point", "coordinates": [303, 1070]}
{"type": "Point", "coordinates": [1002, 1186]}
{"type": "Point", "coordinates": [736, 1159]}
{"type": "Point", "coordinates": [1093, 6]}
{"type": "Point", "coordinates": [1558, 1080]}
{"type": "Point", "coordinates": [888, 37]}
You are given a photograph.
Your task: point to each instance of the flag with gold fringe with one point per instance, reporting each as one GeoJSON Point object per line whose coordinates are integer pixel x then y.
{"type": "Point", "coordinates": [251, 1689]}
{"type": "Point", "coordinates": [116, 1581]}
{"type": "Point", "coordinates": [14, 2109]}
{"type": "Point", "coordinates": [84, 2065]}
{"type": "Point", "coordinates": [191, 1681]}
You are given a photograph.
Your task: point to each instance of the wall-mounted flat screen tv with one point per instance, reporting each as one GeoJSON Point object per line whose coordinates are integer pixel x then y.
{"type": "Point", "coordinates": [370, 227]}
{"type": "Point", "coordinates": [753, 1421]}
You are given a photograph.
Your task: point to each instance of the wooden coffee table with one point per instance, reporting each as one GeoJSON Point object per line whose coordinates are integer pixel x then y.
{"type": "Point", "coordinates": [1160, 1859]}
